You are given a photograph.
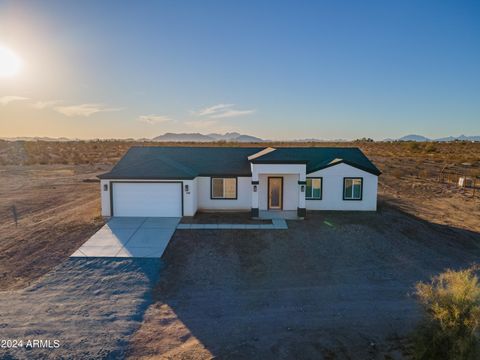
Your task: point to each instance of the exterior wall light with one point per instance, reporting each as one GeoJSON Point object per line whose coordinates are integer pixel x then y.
{"type": "Point", "coordinates": [302, 188]}
{"type": "Point", "coordinates": [105, 187]}
{"type": "Point", "coordinates": [254, 188]}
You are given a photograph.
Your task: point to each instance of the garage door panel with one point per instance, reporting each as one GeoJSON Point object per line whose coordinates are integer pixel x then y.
{"type": "Point", "coordinates": [147, 199]}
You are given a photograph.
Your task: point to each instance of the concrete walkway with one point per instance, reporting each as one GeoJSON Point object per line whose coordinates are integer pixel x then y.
{"type": "Point", "coordinates": [277, 224]}
{"type": "Point", "coordinates": [278, 214]}
{"type": "Point", "coordinates": [139, 237]}
{"type": "Point", "coordinates": [126, 237]}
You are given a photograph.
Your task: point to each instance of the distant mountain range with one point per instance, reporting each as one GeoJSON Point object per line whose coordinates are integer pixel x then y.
{"type": "Point", "coordinates": [236, 137]}
{"type": "Point", "coordinates": [187, 137]}
{"type": "Point", "coordinates": [421, 138]}
{"type": "Point", "coordinates": [36, 138]}
{"type": "Point", "coordinates": [180, 137]}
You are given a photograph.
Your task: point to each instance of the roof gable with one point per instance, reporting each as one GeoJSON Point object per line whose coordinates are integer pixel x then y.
{"type": "Point", "coordinates": [318, 158]}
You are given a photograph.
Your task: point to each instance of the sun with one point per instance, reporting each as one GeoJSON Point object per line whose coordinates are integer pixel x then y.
{"type": "Point", "coordinates": [10, 63]}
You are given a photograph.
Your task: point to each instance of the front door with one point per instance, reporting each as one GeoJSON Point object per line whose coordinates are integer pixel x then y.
{"type": "Point", "coordinates": [275, 193]}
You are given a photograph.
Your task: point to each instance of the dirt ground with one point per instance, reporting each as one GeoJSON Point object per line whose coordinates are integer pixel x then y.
{"type": "Point", "coordinates": [224, 218]}
{"type": "Point", "coordinates": [57, 211]}
{"type": "Point", "coordinates": [413, 185]}
{"type": "Point", "coordinates": [334, 286]}
{"type": "Point", "coordinates": [90, 306]}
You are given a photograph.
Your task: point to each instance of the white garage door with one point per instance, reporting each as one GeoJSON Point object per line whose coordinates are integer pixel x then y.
{"type": "Point", "coordinates": [147, 199]}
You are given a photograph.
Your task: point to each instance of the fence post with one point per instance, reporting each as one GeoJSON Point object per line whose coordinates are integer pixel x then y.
{"type": "Point", "coordinates": [15, 215]}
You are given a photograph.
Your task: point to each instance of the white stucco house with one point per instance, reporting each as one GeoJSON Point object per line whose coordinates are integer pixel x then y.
{"type": "Point", "coordinates": [179, 181]}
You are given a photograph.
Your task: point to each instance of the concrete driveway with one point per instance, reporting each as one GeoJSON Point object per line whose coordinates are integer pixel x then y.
{"type": "Point", "coordinates": [126, 237]}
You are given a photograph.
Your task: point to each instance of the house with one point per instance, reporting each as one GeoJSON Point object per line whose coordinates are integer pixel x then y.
{"type": "Point", "coordinates": [179, 181]}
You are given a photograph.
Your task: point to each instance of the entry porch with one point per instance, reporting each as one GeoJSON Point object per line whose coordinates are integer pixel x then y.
{"type": "Point", "coordinates": [278, 190]}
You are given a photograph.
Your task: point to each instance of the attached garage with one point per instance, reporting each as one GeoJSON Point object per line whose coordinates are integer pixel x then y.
{"type": "Point", "coordinates": [146, 199]}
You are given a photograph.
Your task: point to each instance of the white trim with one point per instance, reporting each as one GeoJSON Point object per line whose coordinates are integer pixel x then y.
{"type": "Point", "coordinates": [261, 153]}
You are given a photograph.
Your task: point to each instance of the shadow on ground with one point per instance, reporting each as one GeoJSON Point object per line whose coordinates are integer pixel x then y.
{"type": "Point", "coordinates": [91, 305]}
{"type": "Point", "coordinates": [336, 285]}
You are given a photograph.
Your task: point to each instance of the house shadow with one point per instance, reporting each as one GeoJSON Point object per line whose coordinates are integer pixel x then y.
{"type": "Point", "coordinates": [331, 285]}
{"type": "Point", "coordinates": [119, 277]}
{"type": "Point", "coordinates": [92, 305]}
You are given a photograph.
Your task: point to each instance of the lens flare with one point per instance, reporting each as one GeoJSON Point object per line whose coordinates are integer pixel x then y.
{"type": "Point", "coordinates": [10, 63]}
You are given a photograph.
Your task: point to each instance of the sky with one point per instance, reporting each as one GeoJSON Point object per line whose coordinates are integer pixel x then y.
{"type": "Point", "coordinates": [275, 69]}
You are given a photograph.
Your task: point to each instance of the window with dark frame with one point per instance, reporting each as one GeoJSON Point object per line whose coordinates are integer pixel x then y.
{"type": "Point", "coordinates": [352, 188]}
{"type": "Point", "coordinates": [313, 189]}
{"type": "Point", "coordinates": [224, 188]}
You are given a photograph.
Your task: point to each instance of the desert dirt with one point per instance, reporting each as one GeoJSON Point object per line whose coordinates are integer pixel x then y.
{"type": "Point", "coordinates": [57, 211]}
{"type": "Point", "coordinates": [336, 285]}
{"type": "Point", "coordinates": [91, 306]}
{"type": "Point", "coordinates": [235, 294]}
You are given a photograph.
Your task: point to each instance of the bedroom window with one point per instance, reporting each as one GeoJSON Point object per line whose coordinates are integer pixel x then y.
{"type": "Point", "coordinates": [224, 188]}
{"type": "Point", "coordinates": [314, 189]}
{"type": "Point", "coordinates": [352, 188]}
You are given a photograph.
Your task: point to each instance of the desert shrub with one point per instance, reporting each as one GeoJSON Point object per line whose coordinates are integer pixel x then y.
{"type": "Point", "coordinates": [427, 173]}
{"type": "Point", "coordinates": [364, 139]}
{"type": "Point", "coordinates": [414, 146]}
{"type": "Point", "coordinates": [423, 173]}
{"type": "Point", "coordinates": [430, 148]}
{"type": "Point", "coordinates": [398, 173]}
{"type": "Point", "coordinates": [451, 302]}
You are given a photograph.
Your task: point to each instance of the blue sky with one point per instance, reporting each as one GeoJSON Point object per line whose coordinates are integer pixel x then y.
{"type": "Point", "coordinates": [276, 69]}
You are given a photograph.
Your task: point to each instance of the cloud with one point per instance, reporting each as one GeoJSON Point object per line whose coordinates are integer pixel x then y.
{"type": "Point", "coordinates": [45, 104]}
{"type": "Point", "coordinates": [201, 124]}
{"type": "Point", "coordinates": [83, 109]}
{"type": "Point", "coordinates": [220, 111]}
{"type": "Point", "coordinates": [11, 98]}
{"type": "Point", "coordinates": [231, 113]}
{"type": "Point", "coordinates": [154, 119]}
{"type": "Point", "coordinates": [213, 109]}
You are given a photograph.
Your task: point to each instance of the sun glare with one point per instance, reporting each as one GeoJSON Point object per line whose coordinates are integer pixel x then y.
{"type": "Point", "coordinates": [10, 63]}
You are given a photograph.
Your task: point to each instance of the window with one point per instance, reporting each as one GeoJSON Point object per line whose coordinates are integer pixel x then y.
{"type": "Point", "coordinates": [352, 188]}
{"type": "Point", "coordinates": [314, 189]}
{"type": "Point", "coordinates": [224, 188]}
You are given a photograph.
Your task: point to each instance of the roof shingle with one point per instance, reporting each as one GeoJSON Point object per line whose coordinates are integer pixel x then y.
{"type": "Point", "coordinates": [163, 162]}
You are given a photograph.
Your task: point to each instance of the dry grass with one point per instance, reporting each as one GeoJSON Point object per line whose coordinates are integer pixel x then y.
{"type": "Point", "coordinates": [452, 307]}
{"type": "Point", "coordinates": [94, 152]}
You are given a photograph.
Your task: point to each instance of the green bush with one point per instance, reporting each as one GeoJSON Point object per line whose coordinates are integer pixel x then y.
{"type": "Point", "coordinates": [452, 307]}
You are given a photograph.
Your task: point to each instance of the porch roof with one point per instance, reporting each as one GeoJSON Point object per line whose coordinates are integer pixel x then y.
{"type": "Point", "coordinates": [317, 158]}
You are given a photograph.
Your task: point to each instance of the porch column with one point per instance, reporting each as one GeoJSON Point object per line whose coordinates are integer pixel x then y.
{"type": "Point", "coordinates": [255, 189]}
{"type": "Point", "coordinates": [302, 184]}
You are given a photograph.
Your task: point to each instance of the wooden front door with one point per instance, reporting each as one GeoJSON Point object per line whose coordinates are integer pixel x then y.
{"type": "Point", "coordinates": [275, 193]}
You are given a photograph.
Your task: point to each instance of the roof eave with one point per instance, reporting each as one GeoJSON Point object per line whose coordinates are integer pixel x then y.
{"type": "Point", "coordinates": [279, 162]}
{"type": "Point", "coordinates": [116, 177]}
{"type": "Point", "coordinates": [370, 171]}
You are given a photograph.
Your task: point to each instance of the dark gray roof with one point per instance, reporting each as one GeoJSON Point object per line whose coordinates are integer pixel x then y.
{"type": "Point", "coordinates": [168, 162]}
{"type": "Point", "coordinates": [318, 158]}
